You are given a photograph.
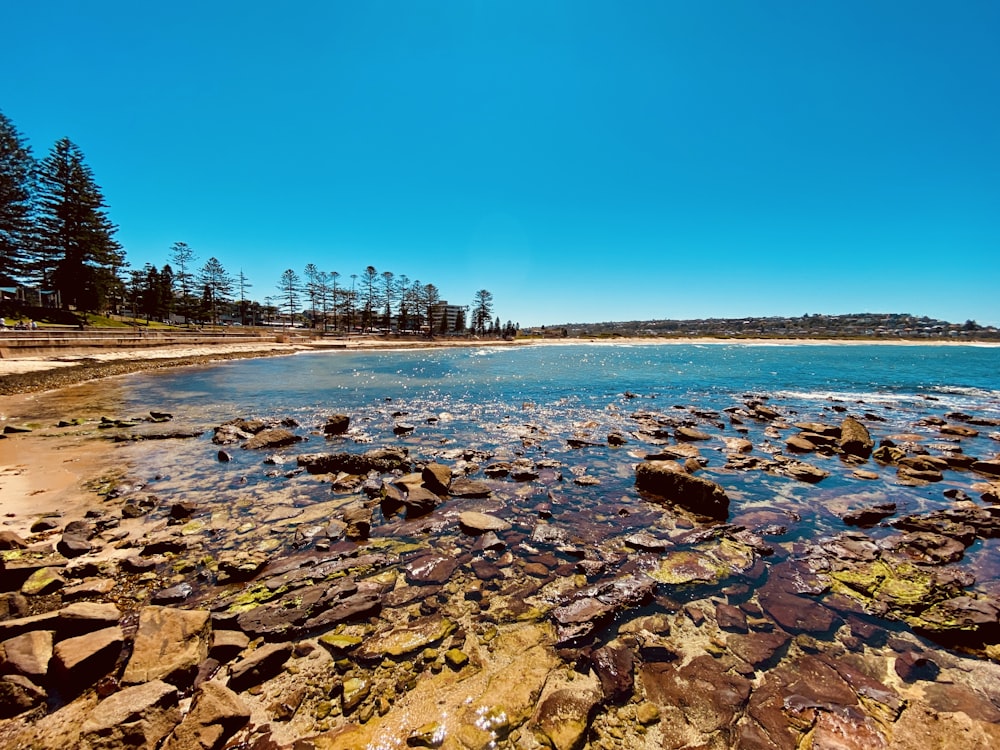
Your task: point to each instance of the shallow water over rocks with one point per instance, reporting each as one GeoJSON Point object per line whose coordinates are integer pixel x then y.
{"type": "Point", "coordinates": [649, 624]}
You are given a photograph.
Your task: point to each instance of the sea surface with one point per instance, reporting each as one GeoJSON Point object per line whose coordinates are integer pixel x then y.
{"type": "Point", "coordinates": [528, 402]}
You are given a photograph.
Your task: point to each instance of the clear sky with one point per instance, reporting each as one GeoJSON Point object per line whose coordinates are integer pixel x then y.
{"type": "Point", "coordinates": [584, 161]}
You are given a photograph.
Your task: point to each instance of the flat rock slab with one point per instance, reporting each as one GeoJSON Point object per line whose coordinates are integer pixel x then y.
{"type": "Point", "coordinates": [468, 488]}
{"type": "Point", "coordinates": [169, 645]}
{"type": "Point", "coordinates": [136, 717]}
{"type": "Point", "coordinates": [261, 665]}
{"type": "Point", "coordinates": [27, 654]}
{"type": "Point", "coordinates": [430, 568]}
{"type": "Point", "coordinates": [274, 438]}
{"type": "Point", "coordinates": [83, 660]}
{"type": "Point", "coordinates": [400, 641]}
{"type": "Point", "coordinates": [478, 523]}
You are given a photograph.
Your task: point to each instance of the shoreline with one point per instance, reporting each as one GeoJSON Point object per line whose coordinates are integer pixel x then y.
{"type": "Point", "coordinates": [38, 373]}
{"type": "Point", "coordinates": [60, 472]}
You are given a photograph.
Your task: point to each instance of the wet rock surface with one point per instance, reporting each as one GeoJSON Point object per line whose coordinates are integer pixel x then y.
{"type": "Point", "coordinates": [675, 587]}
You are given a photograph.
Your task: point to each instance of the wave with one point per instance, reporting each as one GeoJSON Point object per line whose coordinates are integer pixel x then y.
{"type": "Point", "coordinates": [958, 390]}
{"type": "Point", "coordinates": [854, 396]}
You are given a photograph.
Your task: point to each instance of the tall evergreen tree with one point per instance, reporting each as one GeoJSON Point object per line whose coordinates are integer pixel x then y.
{"type": "Point", "coordinates": [244, 302]}
{"type": "Point", "coordinates": [431, 297]}
{"type": "Point", "coordinates": [388, 294]}
{"type": "Point", "coordinates": [76, 251]}
{"type": "Point", "coordinates": [16, 174]}
{"type": "Point", "coordinates": [371, 300]}
{"type": "Point", "coordinates": [313, 283]}
{"type": "Point", "coordinates": [217, 287]}
{"type": "Point", "coordinates": [333, 276]}
{"type": "Point", "coordinates": [482, 310]}
{"type": "Point", "coordinates": [183, 257]}
{"type": "Point", "coordinates": [290, 287]}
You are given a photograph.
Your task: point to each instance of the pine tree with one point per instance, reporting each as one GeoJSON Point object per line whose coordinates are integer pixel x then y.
{"type": "Point", "coordinates": [371, 300]}
{"type": "Point", "coordinates": [217, 287]}
{"type": "Point", "coordinates": [482, 310]}
{"type": "Point", "coordinates": [76, 251]}
{"type": "Point", "coordinates": [183, 257]}
{"type": "Point", "coordinates": [313, 283]}
{"type": "Point", "coordinates": [290, 289]}
{"type": "Point", "coordinates": [431, 296]}
{"type": "Point", "coordinates": [245, 284]}
{"type": "Point", "coordinates": [16, 171]}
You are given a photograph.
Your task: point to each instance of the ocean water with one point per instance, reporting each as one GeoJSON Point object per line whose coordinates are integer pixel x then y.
{"type": "Point", "coordinates": [509, 403]}
{"type": "Point", "coordinates": [586, 376]}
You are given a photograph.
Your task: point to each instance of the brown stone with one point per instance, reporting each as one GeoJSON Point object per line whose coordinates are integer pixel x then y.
{"type": "Point", "coordinates": [436, 478]}
{"type": "Point", "coordinates": [83, 660]}
{"type": "Point", "coordinates": [9, 540]}
{"type": "Point", "coordinates": [691, 433]}
{"type": "Point", "coordinates": [668, 480]}
{"type": "Point", "coordinates": [991, 467]}
{"type": "Point", "coordinates": [794, 613]}
{"type": "Point", "coordinates": [758, 650]}
{"type": "Point", "coordinates": [336, 424]}
{"type": "Point", "coordinates": [474, 522]}
{"type": "Point", "coordinates": [462, 487]}
{"type": "Point", "coordinates": [702, 694]}
{"type": "Point", "coordinates": [563, 716]}
{"type": "Point", "coordinates": [169, 645]}
{"type": "Point", "coordinates": [799, 444]}
{"type": "Point", "coordinates": [261, 665]}
{"type": "Point", "coordinates": [18, 694]}
{"type": "Point", "coordinates": [27, 654]}
{"type": "Point", "coordinates": [227, 644]}
{"type": "Point", "coordinates": [138, 717]}
{"type": "Point", "coordinates": [731, 618]}
{"type": "Point", "coordinates": [614, 666]}
{"type": "Point", "coordinates": [430, 568]}
{"type": "Point", "coordinates": [855, 439]}
{"type": "Point", "coordinates": [420, 501]}
{"type": "Point", "coordinates": [217, 714]}
{"type": "Point", "coordinates": [275, 437]}
{"type": "Point", "coordinates": [958, 430]}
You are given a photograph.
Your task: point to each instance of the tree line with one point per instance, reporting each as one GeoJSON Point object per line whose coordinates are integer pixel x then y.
{"type": "Point", "coordinates": [54, 230]}
{"type": "Point", "coordinates": [55, 235]}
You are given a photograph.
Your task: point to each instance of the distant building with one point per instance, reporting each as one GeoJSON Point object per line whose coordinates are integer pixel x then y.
{"type": "Point", "coordinates": [449, 313]}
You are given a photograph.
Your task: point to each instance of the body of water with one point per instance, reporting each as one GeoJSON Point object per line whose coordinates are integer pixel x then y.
{"type": "Point", "coordinates": [528, 403]}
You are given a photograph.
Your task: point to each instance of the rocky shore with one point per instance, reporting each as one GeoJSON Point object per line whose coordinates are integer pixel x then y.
{"type": "Point", "coordinates": [363, 582]}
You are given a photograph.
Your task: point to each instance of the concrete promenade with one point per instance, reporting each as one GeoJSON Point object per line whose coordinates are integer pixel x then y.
{"type": "Point", "coordinates": [15, 344]}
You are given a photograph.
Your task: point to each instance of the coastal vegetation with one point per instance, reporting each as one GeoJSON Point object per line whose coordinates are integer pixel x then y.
{"type": "Point", "coordinates": [58, 252]}
{"type": "Point", "coordinates": [815, 326]}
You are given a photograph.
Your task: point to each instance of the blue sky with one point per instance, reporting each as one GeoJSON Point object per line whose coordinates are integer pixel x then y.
{"type": "Point", "coordinates": [584, 161]}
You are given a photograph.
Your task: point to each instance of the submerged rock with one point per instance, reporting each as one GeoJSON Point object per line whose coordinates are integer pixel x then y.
{"type": "Point", "coordinates": [272, 438]}
{"type": "Point", "coordinates": [383, 460]}
{"type": "Point", "coordinates": [479, 523]}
